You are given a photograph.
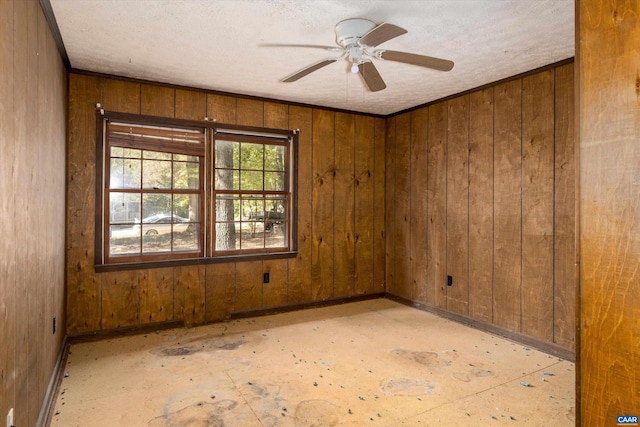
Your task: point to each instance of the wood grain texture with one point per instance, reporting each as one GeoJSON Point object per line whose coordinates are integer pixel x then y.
{"type": "Point", "coordinates": [274, 293]}
{"type": "Point", "coordinates": [507, 267]}
{"type": "Point", "coordinates": [437, 205]}
{"type": "Point", "coordinates": [222, 108]}
{"type": "Point", "coordinates": [402, 206]}
{"type": "Point", "coordinates": [457, 258]}
{"type": "Point", "coordinates": [190, 105]}
{"type": "Point", "coordinates": [248, 286]}
{"type": "Point", "coordinates": [344, 206]}
{"type": "Point", "coordinates": [120, 299]}
{"type": "Point", "coordinates": [537, 204]}
{"type": "Point", "coordinates": [565, 271]}
{"type": "Point", "coordinates": [83, 293]}
{"type": "Point", "coordinates": [157, 100]}
{"type": "Point", "coordinates": [300, 267]}
{"type": "Point", "coordinates": [322, 205]}
{"type": "Point", "coordinates": [364, 204]}
{"type": "Point", "coordinates": [481, 205]}
{"type": "Point", "coordinates": [250, 112]}
{"type": "Point", "coordinates": [122, 96]}
{"type": "Point", "coordinates": [220, 291]}
{"type": "Point", "coordinates": [609, 153]}
{"type": "Point", "coordinates": [189, 294]}
{"type": "Point", "coordinates": [419, 220]}
{"type": "Point", "coordinates": [379, 235]}
{"type": "Point", "coordinates": [156, 295]}
{"type": "Point", "coordinates": [390, 217]}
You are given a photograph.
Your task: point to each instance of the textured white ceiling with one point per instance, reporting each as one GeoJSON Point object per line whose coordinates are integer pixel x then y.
{"type": "Point", "coordinates": [215, 44]}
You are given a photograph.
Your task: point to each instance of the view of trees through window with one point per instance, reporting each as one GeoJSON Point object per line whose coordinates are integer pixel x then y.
{"type": "Point", "coordinates": [181, 189]}
{"type": "Point", "coordinates": [252, 199]}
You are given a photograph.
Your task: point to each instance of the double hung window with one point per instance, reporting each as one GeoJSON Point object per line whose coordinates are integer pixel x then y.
{"type": "Point", "coordinates": [179, 190]}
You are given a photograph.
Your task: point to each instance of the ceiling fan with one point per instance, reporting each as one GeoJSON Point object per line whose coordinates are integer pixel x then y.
{"type": "Point", "coordinates": [357, 39]}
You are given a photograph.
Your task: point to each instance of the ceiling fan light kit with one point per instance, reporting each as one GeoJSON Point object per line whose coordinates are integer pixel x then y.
{"type": "Point", "coordinates": [357, 39]}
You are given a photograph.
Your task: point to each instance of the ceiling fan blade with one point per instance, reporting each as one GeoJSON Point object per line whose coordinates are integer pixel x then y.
{"type": "Point", "coordinates": [312, 46]}
{"type": "Point", "coordinates": [414, 59]}
{"type": "Point", "coordinates": [381, 34]}
{"type": "Point", "coordinates": [310, 69]}
{"type": "Point", "coordinates": [371, 76]}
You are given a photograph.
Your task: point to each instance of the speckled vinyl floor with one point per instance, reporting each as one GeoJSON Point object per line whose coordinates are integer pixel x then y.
{"type": "Point", "coordinates": [371, 363]}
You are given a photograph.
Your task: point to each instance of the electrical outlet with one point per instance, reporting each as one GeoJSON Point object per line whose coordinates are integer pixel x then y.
{"type": "Point", "coordinates": [10, 418]}
{"type": "Point", "coordinates": [265, 278]}
{"type": "Point", "coordinates": [449, 280]}
{"type": "Point", "coordinates": [54, 324]}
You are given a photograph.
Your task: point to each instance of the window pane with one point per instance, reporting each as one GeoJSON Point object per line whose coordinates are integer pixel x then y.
{"type": "Point", "coordinates": [125, 173]}
{"type": "Point", "coordinates": [152, 242]}
{"type": "Point", "coordinates": [227, 154]}
{"type": "Point", "coordinates": [227, 179]}
{"type": "Point", "coordinates": [124, 208]}
{"type": "Point", "coordinates": [276, 235]}
{"type": "Point", "coordinates": [117, 152]}
{"type": "Point", "coordinates": [274, 181]}
{"type": "Point", "coordinates": [250, 180]}
{"type": "Point", "coordinates": [186, 237]}
{"type": "Point", "coordinates": [252, 206]}
{"type": "Point", "coordinates": [251, 156]}
{"type": "Point", "coordinates": [186, 175]}
{"type": "Point", "coordinates": [157, 174]}
{"type": "Point", "coordinates": [155, 207]}
{"type": "Point", "coordinates": [185, 158]}
{"type": "Point", "coordinates": [274, 157]}
{"type": "Point", "coordinates": [132, 153]}
{"type": "Point", "coordinates": [227, 208]}
{"type": "Point", "coordinates": [253, 235]}
{"type": "Point", "coordinates": [227, 236]}
{"type": "Point", "coordinates": [124, 240]}
{"type": "Point", "coordinates": [186, 207]}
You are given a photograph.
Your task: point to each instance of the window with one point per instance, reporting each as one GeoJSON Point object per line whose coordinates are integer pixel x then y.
{"type": "Point", "coordinates": [184, 190]}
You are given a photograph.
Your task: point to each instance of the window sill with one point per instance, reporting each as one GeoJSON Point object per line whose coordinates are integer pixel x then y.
{"type": "Point", "coordinates": [104, 268]}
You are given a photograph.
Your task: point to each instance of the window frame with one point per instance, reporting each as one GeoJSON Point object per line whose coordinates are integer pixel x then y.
{"type": "Point", "coordinates": [207, 253]}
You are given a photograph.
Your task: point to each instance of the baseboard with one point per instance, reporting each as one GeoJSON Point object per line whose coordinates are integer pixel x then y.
{"type": "Point", "coordinates": [303, 306]}
{"type": "Point", "coordinates": [537, 343]}
{"type": "Point", "coordinates": [48, 404]}
{"type": "Point", "coordinates": [123, 332]}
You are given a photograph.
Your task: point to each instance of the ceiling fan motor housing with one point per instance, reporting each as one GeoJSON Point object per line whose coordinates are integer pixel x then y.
{"type": "Point", "coordinates": [349, 31]}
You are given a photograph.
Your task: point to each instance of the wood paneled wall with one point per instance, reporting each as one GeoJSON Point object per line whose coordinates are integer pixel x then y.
{"type": "Point", "coordinates": [481, 187]}
{"type": "Point", "coordinates": [340, 214]}
{"type": "Point", "coordinates": [32, 178]}
{"type": "Point", "coordinates": [609, 95]}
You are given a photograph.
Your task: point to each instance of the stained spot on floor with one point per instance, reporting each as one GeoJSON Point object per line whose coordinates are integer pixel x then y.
{"type": "Point", "coordinates": [178, 351]}
{"type": "Point", "coordinates": [406, 387]}
{"type": "Point", "coordinates": [426, 358]}
{"type": "Point", "coordinates": [201, 414]}
{"type": "Point", "coordinates": [316, 413]}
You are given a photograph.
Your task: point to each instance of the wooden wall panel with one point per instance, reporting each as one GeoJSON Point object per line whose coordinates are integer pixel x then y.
{"type": "Point", "coordinates": [120, 299]}
{"type": "Point", "coordinates": [437, 205]}
{"type": "Point", "coordinates": [379, 239]}
{"type": "Point", "coordinates": [609, 126]}
{"type": "Point", "coordinates": [222, 108]}
{"type": "Point", "coordinates": [190, 105]}
{"type": "Point", "coordinates": [402, 206]}
{"type": "Point", "coordinates": [274, 293]}
{"type": "Point", "coordinates": [250, 112]}
{"type": "Point", "coordinates": [481, 205]}
{"type": "Point", "coordinates": [565, 271]}
{"type": "Point", "coordinates": [457, 258]}
{"type": "Point", "coordinates": [322, 205]}
{"type": "Point", "coordinates": [156, 295]}
{"type": "Point", "coordinates": [390, 217]}
{"type": "Point", "coordinates": [83, 286]}
{"type": "Point", "coordinates": [364, 204]}
{"type": "Point", "coordinates": [122, 96]}
{"type": "Point", "coordinates": [537, 204]}
{"type": "Point", "coordinates": [300, 267]}
{"type": "Point", "coordinates": [189, 294]}
{"type": "Point", "coordinates": [248, 286]}
{"type": "Point", "coordinates": [344, 206]}
{"type": "Point", "coordinates": [419, 220]}
{"type": "Point", "coordinates": [157, 100]}
{"type": "Point", "coordinates": [33, 107]}
{"type": "Point", "coordinates": [507, 241]}
{"type": "Point", "coordinates": [220, 291]}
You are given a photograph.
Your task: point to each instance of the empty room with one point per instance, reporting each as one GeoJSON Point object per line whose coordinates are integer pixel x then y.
{"type": "Point", "coordinates": [319, 213]}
